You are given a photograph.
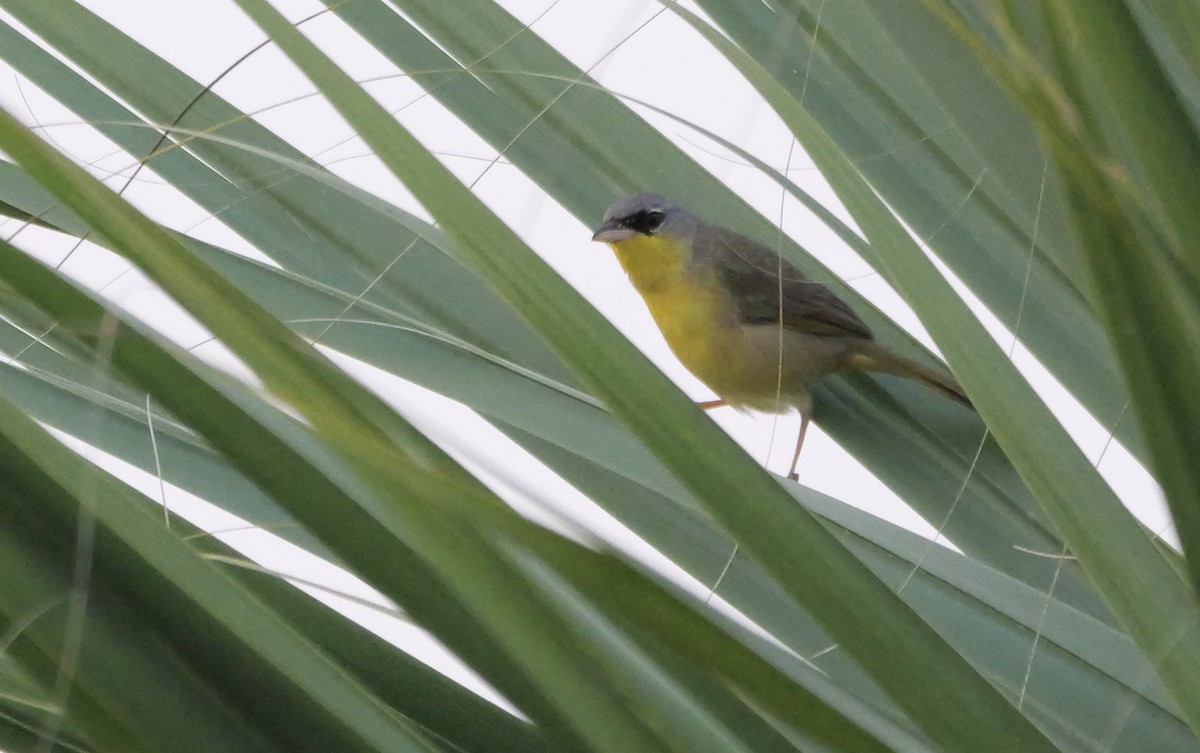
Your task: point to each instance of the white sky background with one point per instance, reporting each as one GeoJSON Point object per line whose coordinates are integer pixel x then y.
{"type": "Point", "coordinates": [203, 37]}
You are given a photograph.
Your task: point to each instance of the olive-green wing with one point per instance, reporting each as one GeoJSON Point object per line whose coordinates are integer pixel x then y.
{"type": "Point", "coordinates": [752, 274]}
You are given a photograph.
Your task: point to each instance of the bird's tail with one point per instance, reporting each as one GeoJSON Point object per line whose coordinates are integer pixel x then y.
{"type": "Point", "coordinates": [877, 358]}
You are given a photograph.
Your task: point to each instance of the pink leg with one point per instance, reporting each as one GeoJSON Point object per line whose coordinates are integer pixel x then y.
{"type": "Point", "coordinates": [710, 404]}
{"type": "Point", "coordinates": [792, 475]}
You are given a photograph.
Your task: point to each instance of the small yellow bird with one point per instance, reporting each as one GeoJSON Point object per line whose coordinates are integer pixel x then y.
{"type": "Point", "coordinates": [741, 318]}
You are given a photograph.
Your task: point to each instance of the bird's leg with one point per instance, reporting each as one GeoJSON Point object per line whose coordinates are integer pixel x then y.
{"type": "Point", "coordinates": [710, 404]}
{"type": "Point", "coordinates": [792, 475]}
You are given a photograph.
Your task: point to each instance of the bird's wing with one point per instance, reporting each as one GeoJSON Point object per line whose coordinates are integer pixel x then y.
{"type": "Point", "coordinates": [752, 274]}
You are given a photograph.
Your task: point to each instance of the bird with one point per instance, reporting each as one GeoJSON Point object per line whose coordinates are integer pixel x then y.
{"type": "Point", "coordinates": [745, 321]}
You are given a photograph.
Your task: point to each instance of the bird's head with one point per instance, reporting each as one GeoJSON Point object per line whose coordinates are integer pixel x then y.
{"type": "Point", "coordinates": [643, 215]}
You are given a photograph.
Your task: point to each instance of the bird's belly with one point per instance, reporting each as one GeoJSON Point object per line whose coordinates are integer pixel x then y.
{"type": "Point", "coordinates": [739, 363]}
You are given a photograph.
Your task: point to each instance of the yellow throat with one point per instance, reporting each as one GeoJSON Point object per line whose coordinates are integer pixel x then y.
{"type": "Point", "coordinates": [653, 264]}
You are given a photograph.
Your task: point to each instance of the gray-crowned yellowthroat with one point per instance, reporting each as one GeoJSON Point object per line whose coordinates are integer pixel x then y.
{"type": "Point", "coordinates": [745, 321]}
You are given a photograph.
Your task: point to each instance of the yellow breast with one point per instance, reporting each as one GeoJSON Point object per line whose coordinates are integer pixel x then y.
{"type": "Point", "coordinates": [693, 313]}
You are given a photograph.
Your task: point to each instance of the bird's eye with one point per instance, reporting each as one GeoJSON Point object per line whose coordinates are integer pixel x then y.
{"type": "Point", "coordinates": [646, 221]}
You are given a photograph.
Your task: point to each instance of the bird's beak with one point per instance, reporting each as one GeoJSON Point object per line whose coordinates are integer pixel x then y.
{"type": "Point", "coordinates": [612, 231]}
